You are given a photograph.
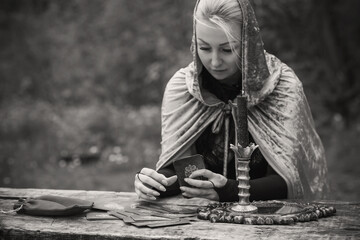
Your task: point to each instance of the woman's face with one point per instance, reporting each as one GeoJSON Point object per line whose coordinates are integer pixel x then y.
{"type": "Point", "coordinates": [215, 52]}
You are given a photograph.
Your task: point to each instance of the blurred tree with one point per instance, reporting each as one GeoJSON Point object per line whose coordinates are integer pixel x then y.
{"type": "Point", "coordinates": [340, 32]}
{"type": "Point", "coordinates": [319, 39]}
{"type": "Point", "coordinates": [81, 51]}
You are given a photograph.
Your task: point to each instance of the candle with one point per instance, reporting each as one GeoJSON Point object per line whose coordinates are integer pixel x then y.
{"type": "Point", "coordinates": [242, 131]}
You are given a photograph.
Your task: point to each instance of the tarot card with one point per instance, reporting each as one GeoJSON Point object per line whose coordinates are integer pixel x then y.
{"type": "Point", "coordinates": [125, 217]}
{"type": "Point", "coordinates": [166, 208]}
{"type": "Point", "coordinates": [185, 166]}
{"type": "Point", "coordinates": [138, 218]}
{"type": "Point", "coordinates": [169, 223]}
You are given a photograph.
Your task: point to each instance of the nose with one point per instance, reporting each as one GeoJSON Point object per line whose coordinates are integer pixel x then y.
{"type": "Point", "coordinates": [215, 60]}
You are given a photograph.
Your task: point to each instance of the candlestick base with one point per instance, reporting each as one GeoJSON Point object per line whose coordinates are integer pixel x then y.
{"type": "Point", "coordinates": [244, 208]}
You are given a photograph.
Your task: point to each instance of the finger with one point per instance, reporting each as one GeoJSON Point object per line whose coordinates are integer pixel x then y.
{"type": "Point", "coordinates": [145, 190]}
{"type": "Point", "coordinates": [199, 183]}
{"type": "Point", "coordinates": [195, 192]}
{"type": "Point", "coordinates": [171, 180]}
{"type": "Point", "coordinates": [144, 196]}
{"type": "Point", "coordinates": [202, 173]}
{"type": "Point", "coordinates": [155, 175]}
{"type": "Point", "coordinates": [150, 182]}
{"type": "Point", "coordinates": [193, 195]}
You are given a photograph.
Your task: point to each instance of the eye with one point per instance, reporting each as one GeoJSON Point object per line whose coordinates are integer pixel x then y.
{"type": "Point", "coordinates": [206, 49]}
{"type": "Point", "coordinates": [227, 50]}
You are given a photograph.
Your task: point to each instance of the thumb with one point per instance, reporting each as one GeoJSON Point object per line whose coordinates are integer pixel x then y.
{"type": "Point", "coordinates": [171, 180]}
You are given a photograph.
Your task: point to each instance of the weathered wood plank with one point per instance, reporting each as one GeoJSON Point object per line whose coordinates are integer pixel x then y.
{"type": "Point", "coordinates": [344, 225]}
{"type": "Point", "coordinates": [32, 192]}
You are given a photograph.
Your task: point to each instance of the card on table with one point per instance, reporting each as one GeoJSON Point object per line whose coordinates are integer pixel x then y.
{"type": "Point", "coordinates": [185, 166]}
{"type": "Point", "coordinates": [166, 208]}
{"type": "Point", "coordinates": [125, 217]}
{"type": "Point", "coordinates": [150, 221]}
{"type": "Point", "coordinates": [164, 223]}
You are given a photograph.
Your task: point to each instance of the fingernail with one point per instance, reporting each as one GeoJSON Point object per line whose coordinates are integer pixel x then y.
{"type": "Point", "coordinates": [156, 194]}
{"type": "Point", "coordinates": [182, 188]}
{"type": "Point", "coordinates": [185, 195]}
{"type": "Point", "coordinates": [151, 197]}
{"type": "Point", "coordinates": [162, 189]}
{"type": "Point", "coordinates": [164, 182]}
{"type": "Point", "coordinates": [186, 179]}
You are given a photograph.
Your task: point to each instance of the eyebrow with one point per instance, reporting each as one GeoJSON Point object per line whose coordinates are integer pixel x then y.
{"type": "Point", "coordinates": [221, 44]}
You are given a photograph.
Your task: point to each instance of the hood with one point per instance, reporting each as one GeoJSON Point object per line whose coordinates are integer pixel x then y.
{"type": "Point", "coordinates": [258, 78]}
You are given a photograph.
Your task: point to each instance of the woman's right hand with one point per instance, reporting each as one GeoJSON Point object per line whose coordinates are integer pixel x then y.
{"type": "Point", "coordinates": [148, 183]}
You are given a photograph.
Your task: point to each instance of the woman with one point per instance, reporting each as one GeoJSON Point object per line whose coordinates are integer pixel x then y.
{"type": "Point", "coordinates": [229, 58]}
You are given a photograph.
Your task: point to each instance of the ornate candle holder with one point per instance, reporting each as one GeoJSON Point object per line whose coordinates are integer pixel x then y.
{"type": "Point", "coordinates": [243, 156]}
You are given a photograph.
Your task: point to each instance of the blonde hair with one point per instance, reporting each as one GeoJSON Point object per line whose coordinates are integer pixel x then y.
{"type": "Point", "coordinates": [222, 13]}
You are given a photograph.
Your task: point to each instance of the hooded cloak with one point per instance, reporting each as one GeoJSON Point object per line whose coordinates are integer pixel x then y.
{"type": "Point", "coordinates": [279, 117]}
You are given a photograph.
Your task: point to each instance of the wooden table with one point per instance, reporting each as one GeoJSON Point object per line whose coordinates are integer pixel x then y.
{"type": "Point", "coordinates": [344, 225]}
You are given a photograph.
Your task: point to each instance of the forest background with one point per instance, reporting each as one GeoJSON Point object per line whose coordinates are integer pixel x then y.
{"type": "Point", "coordinates": [81, 84]}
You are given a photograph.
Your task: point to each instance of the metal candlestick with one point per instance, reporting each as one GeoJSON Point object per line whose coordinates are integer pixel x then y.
{"type": "Point", "coordinates": [242, 155]}
{"type": "Point", "coordinates": [243, 177]}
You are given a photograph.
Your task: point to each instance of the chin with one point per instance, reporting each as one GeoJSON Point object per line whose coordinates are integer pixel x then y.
{"type": "Point", "coordinates": [219, 78]}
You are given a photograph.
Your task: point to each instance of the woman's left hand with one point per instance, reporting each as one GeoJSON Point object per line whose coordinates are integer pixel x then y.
{"type": "Point", "coordinates": [204, 188]}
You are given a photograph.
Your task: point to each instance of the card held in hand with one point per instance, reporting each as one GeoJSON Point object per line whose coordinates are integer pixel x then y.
{"type": "Point", "coordinates": [187, 165]}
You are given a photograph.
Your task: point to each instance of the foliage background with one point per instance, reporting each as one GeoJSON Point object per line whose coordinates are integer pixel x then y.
{"type": "Point", "coordinates": [81, 84]}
